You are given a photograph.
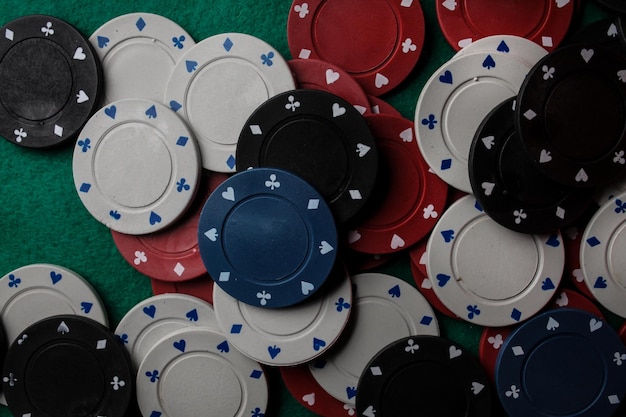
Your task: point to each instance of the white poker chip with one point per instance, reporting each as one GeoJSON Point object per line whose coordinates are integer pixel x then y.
{"type": "Point", "coordinates": [136, 166]}
{"type": "Point", "coordinates": [602, 257]}
{"type": "Point", "coordinates": [290, 335]}
{"type": "Point", "coordinates": [156, 317]}
{"type": "Point", "coordinates": [35, 292]}
{"type": "Point", "coordinates": [516, 47]}
{"type": "Point", "coordinates": [453, 103]}
{"type": "Point", "coordinates": [487, 274]}
{"type": "Point", "coordinates": [196, 372]}
{"type": "Point", "coordinates": [217, 85]}
{"type": "Point", "coordinates": [138, 52]}
{"type": "Point", "coordinates": [384, 309]}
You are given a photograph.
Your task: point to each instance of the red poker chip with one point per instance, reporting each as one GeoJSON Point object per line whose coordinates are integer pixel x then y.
{"type": "Point", "coordinates": [378, 42]}
{"type": "Point", "coordinates": [314, 74]}
{"type": "Point", "coordinates": [492, 338]}
{"type": "Point", "coordinates": [171, 254]}
{"type": "Point", "coordinates": [544, 22]}
{"type": "Point", "coordinates": [380, 106]}
{"type": "Point", "coordinates": [201, 287]}
{"type": "Point", "coordinates": [305, 389]}
{"type": "Point", "coordinates": [424, 286]}
{"type": "Point", "coordinates": [409, 198]}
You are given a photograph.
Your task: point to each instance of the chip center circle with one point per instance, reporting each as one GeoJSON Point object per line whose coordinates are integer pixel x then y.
{"type": "Point", "coordinates": [63, 380]}
{"type": "Point", "coordinates": [133, 165]}
{"type": "Point", "coordinates": [41, 79]}
{"type": "Point", "coordinates": [240, 89]}
{"type": "Point", "coordinates": [265, 238]}
{"type": "Point", "coordinates": [561, 383]}
{"type": "Point", "coordinates": [504, 17]}
{"type": "Point", "coordinates": [355, 35]}
{"type": "Point", "coordinates": [512, 259]}
{"type": "Point", "coordinates": [200, 384]}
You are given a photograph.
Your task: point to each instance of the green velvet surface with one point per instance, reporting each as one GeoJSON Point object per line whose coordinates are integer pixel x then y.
{"type": "Point", "coordinates": [43, 221]}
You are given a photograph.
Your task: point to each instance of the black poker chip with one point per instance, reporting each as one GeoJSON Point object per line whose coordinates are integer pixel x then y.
{"type": "Point", "coordinates": [67, 365]}
{"type": "Point", "coordinates": [509, 187]}
{"type": "Point", "coordinates": [572, 115]}
{"type": "Point", "coordinates": [51, 81]}
{"type": "Point", "coordinates": [423, 376]}
{"type": "Point", "coordinates": [321, 138]}
{"type": "Point", "coordinates": [609, 32]}
{"type": "Point", "coordinates": [618, 6]}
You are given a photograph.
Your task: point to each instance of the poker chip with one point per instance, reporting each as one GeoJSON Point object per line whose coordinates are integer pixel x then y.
{"type": "Point", "coordinates": [562, 362]}
{"type": "Point", "coordinates": [516, 47]}
{"type": "Point", "coordinates": [425, 374]}
{"type": "Point", "coordinates": [508, 186]}
{"type": "Point", "coordinates": [34, 292]}
{"type": "Point", "coordinates": [201, 287]}
{"type": "Point", "coordinates": [313, 74]}
{"type": "Point", "coordinates": [138, 52]}
{"type": "Point", "coordinates": [378, 300]}
{"type": "Point", "coordinates": [410, 197]}
{"type": "Point", "coordinates": [553, 114]}
{"type": "Point", "coordinates": [51, 81]}
{"type": "Point", "coordinates": [171, 254]}
{"type": "Point", "coordinates": [319, 137]}
{"type": "Point", "coordinates": [217, 85]}
{"type": "Point", "coordinates": [379, 106]}
{"type": "Point", "coordinates": [267, 238]}
{"type": "Point", "coordinates": [303, 387]}
{"type": "Point", "coordinates": [454, 101]}
{"type": "Point", "coordinates": [545, 22]}
{"type": "Point", "coordinates": [220, 380]}
{"type": "Point", "coordinates": [378, 42]}
{"type": "Point", "coordinates": [126, 196]}
{"type": "Point", "coordinates": [609, 32]}
{"type": "Point", "coordinates": [489, 275]}
{"type": "Point", "coordinates": [156, 317]}
{"type": "Point", "coordinates": [492, 338]}
{"type": "Point", "coordinates": [601, 255]}
{"type": "Point", "coordinates": [290, 335]}
{"type": "Point", "coordinates": [67, 365]}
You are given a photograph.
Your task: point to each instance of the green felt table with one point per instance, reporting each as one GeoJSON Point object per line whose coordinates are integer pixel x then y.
{"type": "Point", "coordinates": [43, 221]}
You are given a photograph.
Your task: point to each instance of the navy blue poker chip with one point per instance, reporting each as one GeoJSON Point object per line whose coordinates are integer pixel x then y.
{"type": "Point", "coordinates": [563, 362]}
{"type": "Point", "coordinates": [267, 238]}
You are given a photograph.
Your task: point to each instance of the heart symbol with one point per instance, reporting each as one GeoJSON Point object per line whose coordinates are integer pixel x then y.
{"type": "Point", "coordinates": [318, 344]}
{"type": "Point", "coordinates": [600, 283]}
{"type": "Point", "coordinates": [547, 284]}
{"type": "Point", "coordinates": [331, 76]}
{"type": "Point", "coordinates": [82, 97]}
{"type": "Point", "coordinates": [325, 247]}
{"type": "Point", "coordinates": [612, 32]}
{"type": "Point", "coordinates": [578, 275]}
{"type": "Point", "coordinates": [581, 176]}
{"type": "Point", "coordinates": [175, 105]}
{"type": "Point", "coordinates": [595, 324]}
{"type": "Point", "coordinates": [426, 284]}
{"type": "Point", "coordinates": [450, 5]}
{"type": "Point", "coordinates": [180, 345]}
{"type": "Point", "coordinates": [223, 347]}
{"type": "Point", "coordinates": [338, 110]}
{"type": "Point", "coordinates": [151, 112]}
{"type": "Point", "coordinates": [622, 75]}
{"type": "Point", "coordinates": [397, 242]}
{"type": "Point", "coordinates": [103, 41]}
{"type": "Point", "coordinates": [503, 47]}
{"type": "Point", "coordinates": [586, 54]}
{"type": "Point", "coordinates": [154, 218]}
{"type": "Point", "coordinates": [562, 3]}
{"type": "Point", "coordinates": [229, 194]}
{"type": "Point", "coordinates": [86, 307]}
{"type": "Point", "coordinates": [488, 141]}
{"type": "Point", "coordinates": [446, 77]}
{"type": "Point", "coordinates": [442, 279]}
{"type": "Point", "coordinates": [477, 388]}
{"type": "Point", "coordinates": [394, 291]}
{"type": "Point", "coordinates": [407, 135]}
{"type": "Point", "coordinates": [351, 392]}
{"type": "Point", "coordinates": [79, 54]}
{"type": "Point", "coordinates": [380, 80]}
{"type": "Point", "coordinates": [273, 351]}
{"type": "Point", "coordinates": [353, 236]}
{"type": "Point", "coordinates": [149, 311]}
{"type": "Point", "coordinates": [544, 156]}
{"type": "Point", "coordinates": [488, 187]}
{"type": "Point", "coordinates": [489, 62]}
{"type": "Point", "coordinates": [55, 277]}
{"type": "Point", "coordinates": [552, 324]}
{"type": "Point", "coordinates": [562, 300]}
{"type": "Point", "coordinates": [192, 315]}
{"type": "Point", "coordinates": [211, 234]}
{"type": "Point", "coordinates": [306, 287]}
{"type": "Point", "coordinates": [191, 66]}
{"type": "Point", "coordinates": [63, 328]}
{"type": "Point", "coordinates": [455, 352]}
{"type": "Point", "coordinates": [110, 111]}
{"type": "Point", "coordinates": [115, 214]}
{"type": "Point", "coordinates": [553, 241]}
{"type": "Point", "coordinates": [447, 235]}
{"type": "Point", "coordinates": [309, 399]}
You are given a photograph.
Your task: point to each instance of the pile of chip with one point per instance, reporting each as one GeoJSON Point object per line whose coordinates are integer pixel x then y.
{"type": "Point", "coordinates": [258, 194]}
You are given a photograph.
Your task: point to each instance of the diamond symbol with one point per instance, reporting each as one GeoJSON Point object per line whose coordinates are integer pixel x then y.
{"type": "Point", "coordinates": [560, 212]}
{"type": "Point", "coordinates": [355, 194]}
{"type": "Point", "coordinates": [101, 344]}
{"type": "Point", "coordinates": [228, 44]}
{"type": "Point", "coordinates": [256, 130]}
{"type": "Point", "coordinates": [546, 41]}
{"type": "Point", "coordinates": [304, 54]}
{"type": "Point", "coordinates": [9, 34]}
{"type": "Point", "coordinates": [179, 269]}
{"type": "Point", "coordinates": [224, 276]}
{"type": "Point", "coordinates": [529, 115]}
{"type": "Point", "coordinates": [140, 24]}
{"type": "Point", "coordinates": [517, 350]}
{"type": "Point", "coordinates": [58, 130]}
{"type": "Point", "coordinates": [376, 371]}
{"type": "Point", "coordinates": [314, 203]}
